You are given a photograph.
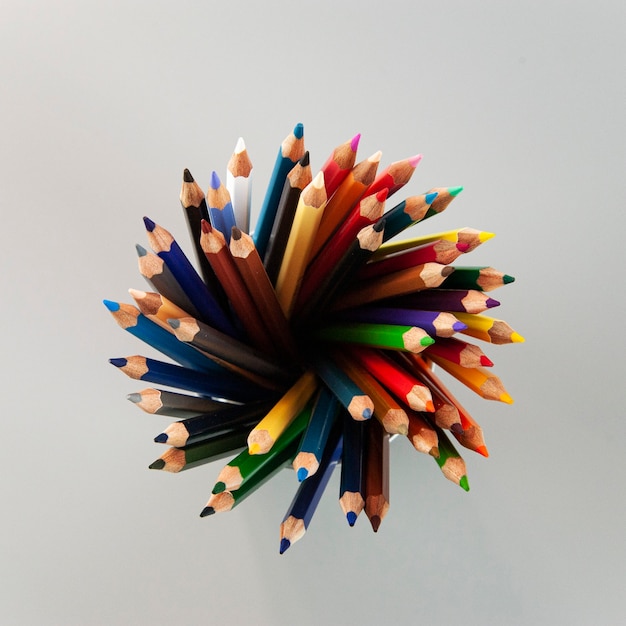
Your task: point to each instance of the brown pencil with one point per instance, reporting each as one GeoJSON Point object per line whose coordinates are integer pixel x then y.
{"type": "Point", "coordinates": [376, 474]}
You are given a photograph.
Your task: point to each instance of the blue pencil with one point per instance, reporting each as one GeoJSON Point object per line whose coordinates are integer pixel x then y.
{"type": "Point", "coordinates": [221, 212]}
{"type": "Point", "coordinates": [355, 401]}
{"type": "Point", "coordinates": [316, 434]}
{"type": "Point", "coordinates": [136, 323]}
{"type": "Point", "coordinates": [290, 152]}
{"type": "Point", "coordinates": [302, 507]}
{"type": "Point", "coordinates": [226, 386]}
{"type": "Point", "coordinates": [352, 487]}
{"type": "Point", "coordinates": [164, 244]}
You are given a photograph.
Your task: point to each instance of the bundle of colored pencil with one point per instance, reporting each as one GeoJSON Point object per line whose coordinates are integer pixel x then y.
{"type": "Point", "coordinates": [312, 341]}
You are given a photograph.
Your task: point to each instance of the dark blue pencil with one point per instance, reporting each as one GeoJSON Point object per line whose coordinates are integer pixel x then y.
{"type": "Point", "coordinates": [352, 487]}
{"type": "Point", "coordinates": [221, 212]}
{"type": "Point", "coordinates": [302, 507]}
{"type": "Point", "coordinates": [164, 244]}
{"type": "Point", "coordinates": [227, 386]}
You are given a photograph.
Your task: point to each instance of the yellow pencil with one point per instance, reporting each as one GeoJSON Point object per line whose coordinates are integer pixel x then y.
{"type": "Point", "coordinates": [478, 379]}
{"type": "Point", "coordinates": [305, 224]}
{"type": "Point", "coordinates": [266, 432]}
{"type": "Point", "coordinates": [488, 329]}
{"type": "Point", "coordinates": [472, 237]}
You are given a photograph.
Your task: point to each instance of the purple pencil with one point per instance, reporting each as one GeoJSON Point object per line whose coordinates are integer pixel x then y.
{"type": "Point", "coordinates": [455, 300]}
{"type": "Point", "coordinates": [435, 323]}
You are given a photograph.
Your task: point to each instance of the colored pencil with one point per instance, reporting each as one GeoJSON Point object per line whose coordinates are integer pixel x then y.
{"type": "Point", "coordinates": [339, 164]}
{"type": "Point", "coordinates": [166, 247]}
{"type": "Point", "coordinates": [162, 402]}
{"type": "Point", "coordinates": [488, 329]}
{"type": "Point", "coordinates": [467, 431]}
{"type": "Point", "coordinates": [422, 435]}
{"type": "Point", "coordinates": [352, 485]}
{"type": "Point", "coordinates": [297, 180]}
{"type": "Point", "coordinates": [226, 386]}
{"type": "Point", "coordinates": [459, 352]}
{"type": "Point", "coordinates": [243, 467]}
{"type": "Point", "coordinates": [425, 276]}
{"type": "Point", "coordinates": [436, 324]}
{"type": "Point", "coordinates": [289, 153]}
{"type": "Point", "coordinates": [238, 184]}
{"type": "Point", "coordinates": [300, 512]}
{"type": "Point", "coordinates": [227, 351]}
{"type": "Point", "coordinates": [387, 336]}
{"type": "Point", "coordinates": [387, 410]}
{"type": "Point", "coordinates": [215, 247]}
{"type": "Point", "coordinates": [132, 320]}
{"type": "Point", "coordinates": [396, 379]}
{"type": "Point", "coordinates": [376, 474]}
{"type": "Point", "coordinates": [395, 175]}
{"type": "Point", "coordinates": [358, 404]}
{"type": "Point", "coordinates": [461, 300]}
{"type": "Point", "coordinates": [441, 251]}
{"type": "Point", "coordinates": [161, 279]}
{"type": "Point", "coordinates": [479, 278]}
{"type": "Point", "coordinates": [193, 201]}
{"type": "Point", "coordinates": [271, 463]}
{"type": "Point", "coordinates": [470, 236]}
{"type": "Point", "coordinates": [176, 460]}
{"type": "Point", "coordinates": [369, 210]}
{"type": "Point", "coordinates": [313, 443]}
{"type": "Point", "coordinates": [478, 379]}
{"type": "Point", "coordinates": [344, 199]}
{"type": "Point", "coordinates": [407, 213]}
{"type": "Point", "coordinates": [263, 436]}
{"type": "Point", "coordinates": [250, 267]}
{"type": "Point", "coordinates": [221, 212]}
{"type": "Point", "coordinates": [305, 223]}
{"type": "Point", "coordinates": [450, 461]}
{"type": "Point", "coordinates": [220, 421]}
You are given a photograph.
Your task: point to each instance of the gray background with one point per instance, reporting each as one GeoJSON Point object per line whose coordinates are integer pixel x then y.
{"type": "Point", "coordinates": [104, 104]}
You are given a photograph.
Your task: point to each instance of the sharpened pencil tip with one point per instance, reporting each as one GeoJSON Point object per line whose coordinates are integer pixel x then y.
{"type": "Point", "coordinates": [455, 191]}
{"type": "Point", "coordinates": [431, 197]}
{"type": "Point", "coordinates": [459, 326]}
{"type": "Point", "coordinates": [134, 397]}
{"type": "Point", "coordinates": [174, 323]}
{"type": "Point", "coordinates": [302, 473]}
{"type": "Point", "coordinates": [430, 407]}
{"type": "Point", "coordinates": [187, 177]}
{"type": "Point", "coordinates": [219, 487]}
{"type": "Point", "coordinates": [517, 338]}
{"type": "Point", "coordinates": [351, 517]}
{"type": "Point", "coordinates": [240, 146]}
{"type": "Point", "coordinates": [491, 303]}
{"type": "Point", "coordinates": [505, 397]}
{"type": "Point", "coordinates": [298, 130]}
{"type": "Point", "coordinates": [207, 510]}
{"type": "Point", "coordinates": [161, 438]}
{"type": "Point", "coordinates": [434, 452]}
{"type": "Point", "coordinates": [464, 483]}
{"type": "Point", "coordinates": [482, 450]}
{"type": "Point", "coordinates": [367, 413]}
{"type": "Point", "coordinates": [485, 361]}
{"type": "Point", "coordinates": [375, 522]}
{"type": "Point", "coordinates": [215, 180]}
{"type": "Point", "coordinates": [485, 236]}
{"type": "Point", "coordinates": [414, 160]}
{"type": "Point", "coordinates": [354, 142]}
{"type": "Point", "coordinates": [118, 362]}
{"type": "Point", "coordinates": [141, 251]}
{"type": "Point", "coordinates": [112, 306]}
{"type": "Point", "coordinates": [157, 465]}
{"type": "Point", "coordinates": [284, 545]}
{"type": "Point", "coordinates": [235, 233]}
{"type": "Point", "coordinates": [149, 224]}
{"type": "Point", "coordinates": [254, 448]}
{"type": "Point", "coordinates": [305, 160]}
{"type": "Point", "coordinates": [506, 279]}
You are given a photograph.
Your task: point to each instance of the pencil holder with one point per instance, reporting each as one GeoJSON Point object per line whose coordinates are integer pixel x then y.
{"type": "Point", "coordinates": [310, 341]}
